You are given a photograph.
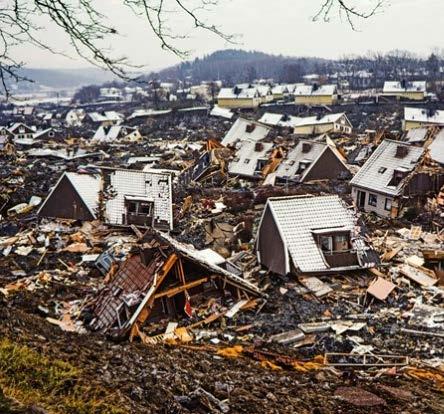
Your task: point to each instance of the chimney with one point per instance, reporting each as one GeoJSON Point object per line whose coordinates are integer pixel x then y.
{"type": "Point", "coordinates": [404, 84]}
{"type": "Point", "coordinates": [401, 151]}
{"type": "Point", "coordinates": [250, 128]}
{"type": "Point", "coordinates": [259, 147]}
{"type": "Point", "coordinates": [306, 147]}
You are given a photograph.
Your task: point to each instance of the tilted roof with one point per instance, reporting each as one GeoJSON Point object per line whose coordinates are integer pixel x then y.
{"type": "Point", "coordinates": [297, 217]}
{"type": "Point", "coordinates": [377, 172]}
{"type": "Point", "coordinates": [244, 129]}
{"type": "Point", "coordinates": [247, 156]}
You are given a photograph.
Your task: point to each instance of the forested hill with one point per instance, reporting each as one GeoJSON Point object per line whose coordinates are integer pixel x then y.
{"type": "Point", "coordinates": [236, 66]}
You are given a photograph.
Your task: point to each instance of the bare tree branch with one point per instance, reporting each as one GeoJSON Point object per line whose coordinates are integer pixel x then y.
{"type": "Point", "coordinates": [86, 28]}
{"type": "Point", "coordinates": [347, 9]}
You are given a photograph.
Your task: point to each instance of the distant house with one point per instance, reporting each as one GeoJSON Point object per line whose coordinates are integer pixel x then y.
{"type": "Point", "coordinates": [105, 118]}
{"type": "Point", "coordinates": [415, 90]}
{"type": "Point", "coordinates": [279, 92]}
{"type": "Point", "coordinates": [111, 133]}
{"type": "Point", "coordinates": [117, 197]}
{"type": "Point", "coordinates": [265, 93]}
{"type": "Point", "coordinates": [21, 131]}
{"type": "Point", "coordinates": [393, 178]}
{"type": "Point", "coordinates": [316, 95]}
{"type": "Point", "coordinates": [46, 134]}
{"type": "Point", "coordinates": [331, 123]}
{"type": "Point", "coordinates": [306, 234]}
{"type": "Point", "coordinates": [245, 129]}
{"type": "Point", "coordinates": [111, 93]}
{"type": "Point", "coordinates": [311, 160]}
{"type": "Point", "coordinates": [418, 117]}
{"type": "Point", "coordinates": [232, 98]}
{"type": "Point", "coordinates": [250, 159]}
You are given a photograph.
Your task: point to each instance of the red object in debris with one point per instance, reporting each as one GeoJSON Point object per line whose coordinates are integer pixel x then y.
{"type": "Point", "coordinates": [187, 308]}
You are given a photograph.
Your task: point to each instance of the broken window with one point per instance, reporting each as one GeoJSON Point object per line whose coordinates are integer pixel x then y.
{"type": "Point", "coordinates": [398, 176]}
{"type": "Point", "coordinates": [372, 200]}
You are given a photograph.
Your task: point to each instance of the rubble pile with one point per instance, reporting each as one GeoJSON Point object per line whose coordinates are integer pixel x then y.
{"type": "Point", "coordinates": [192, 287]}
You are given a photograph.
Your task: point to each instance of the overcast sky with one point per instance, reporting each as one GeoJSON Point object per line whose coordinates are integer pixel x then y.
{"type": "Point", "coordinates": [273, 26]}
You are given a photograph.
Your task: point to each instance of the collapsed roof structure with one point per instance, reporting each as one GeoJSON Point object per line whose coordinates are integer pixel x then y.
{"type": "Point", "coordinates": [164, 278]}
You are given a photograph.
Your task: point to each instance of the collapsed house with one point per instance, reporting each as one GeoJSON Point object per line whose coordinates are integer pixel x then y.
{"type": "Point", "coordinates": [111, 133]}
{"type": "Point", "coordinates": [307, 234]}
{"type": "Point", "coordinates": [105, 118]}
{"type": "Point", "coordinates": [115, 196]}
{"type": "Point", "coordinates": [250, 159]}
{"type": "Point", "coordinates": [164, 279]}
{"type": "Point", "coordinates": [211, 163]}
{"type": "Point", "coordinates": [309, 125]}
{"type": "Point", "coordinates": [330, 123]}
{"type": "Point", "coordinates": [393, 177]}
{"type": "Point", "coordinates": [244, 129]}
{"type": "Point", "coordinates": [312, 160]}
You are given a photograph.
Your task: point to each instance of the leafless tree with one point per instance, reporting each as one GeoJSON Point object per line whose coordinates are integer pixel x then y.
{"type": "Point", "coordinates": [87, 28]}
{"type": "Point", "coordinates": [348, 9]}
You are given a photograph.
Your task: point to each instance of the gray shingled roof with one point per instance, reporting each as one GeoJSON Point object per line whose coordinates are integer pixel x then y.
{"type": "Point", "coordinates": [437, 148]}
{"type": "Point", "coordinates": [247, 157]}
{"type": "Point", "coordinates": [378, 170]}
{"type": "Point", "coordinates": [238, 132]}
{"type": "Point", "coordinates": [88, 187]}
{"type": "Point", "coordinates": [290, 165]}
{"type": "Point", "coordinates": [298, 216]}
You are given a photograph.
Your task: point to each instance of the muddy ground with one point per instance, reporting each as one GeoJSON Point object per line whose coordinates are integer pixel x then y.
{"type": "Point", "coordinates": [170, 379]}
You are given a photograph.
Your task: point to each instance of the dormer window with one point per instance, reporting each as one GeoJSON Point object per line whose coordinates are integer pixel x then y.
{"type": "Point", "coordinates": [303, 165]}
